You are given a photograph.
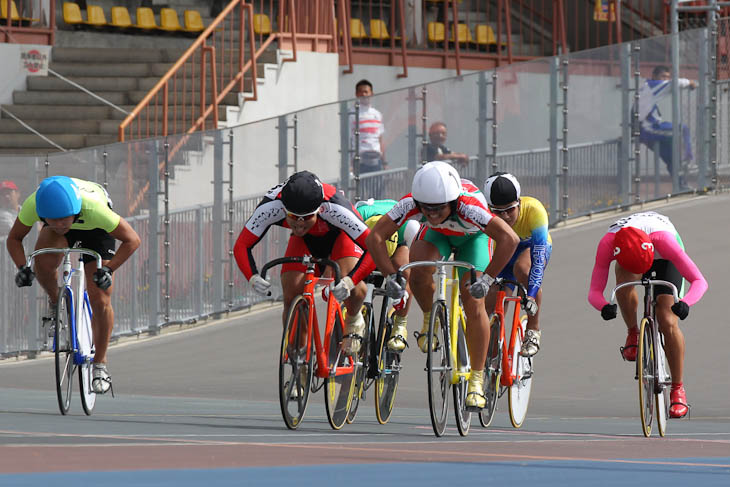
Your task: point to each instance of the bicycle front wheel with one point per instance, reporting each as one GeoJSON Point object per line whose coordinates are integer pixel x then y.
{"type": "Point", "coordinates": [85, 337]}
{"type": "Point", "coordinates": [645, 365]}
{"type": "Point", "coordinates": [63, 347]}
{"type": "Point", "coordinates": [362, 362]}
{"type": "Point", "coordinates": [386, 384]}
{"type": "Point", "coordinates": [519, 391]}
{"type": "Point", "coordinates": [438, 366]}
{"type": "Point", "coordinates": [492, 372]}
{"type": "Point", "coordinates": [340, 385]}
{"type": "Point", "coordinates": [295, 369]}
{"type": "Point", "coordinates": [463, 417]}
{"type": "Point", "coordinates": [664, 382]}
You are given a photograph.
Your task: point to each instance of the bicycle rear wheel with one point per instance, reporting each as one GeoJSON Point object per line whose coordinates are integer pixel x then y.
{"type": "Point", "coordinates": [340, 385]}
{"type": "Point", "coordinates": [519, 391]}
{"type": "Point", "coordinates": [463, 417]}
{"type": "Point", "coordinates": [438, 366]}
{"type": "Point", "coordinates": [662, 388]}
{"type": "Point", "coordinates": [386, 384]}
{"type": "Point", "coordinates": [492, 372]}
{"type": "Point", "coordinates": [85, 339]}
{"type": "Point", "coordinates": [362, 362]}
{"type": "Point", "coordinates": [295, 369]}
{"type": "Point", "coordinates": [645, 365]}
{"type": "Point", "coordinates": [63, 347]}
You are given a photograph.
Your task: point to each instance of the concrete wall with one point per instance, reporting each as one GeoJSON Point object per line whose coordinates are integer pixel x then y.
{"type": "Point", "coordinates": [15, 71]}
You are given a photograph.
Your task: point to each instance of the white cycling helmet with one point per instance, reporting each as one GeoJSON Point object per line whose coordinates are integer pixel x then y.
{"type": "Point", "coordinates": [410, 232]}
{"type": "Point", "coordinates": [436, 182]}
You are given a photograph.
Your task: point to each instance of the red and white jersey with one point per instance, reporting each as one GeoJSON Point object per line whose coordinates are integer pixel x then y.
{"type": "Point", "coordinates": [371, 128]}
{"type": "Point", "coordinates": [472, 214]}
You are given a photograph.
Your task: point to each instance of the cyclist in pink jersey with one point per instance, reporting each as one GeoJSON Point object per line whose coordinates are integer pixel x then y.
{"type": "Point", "coordinates": [455, 219]}
{"type": "Point", "coordinates": [647, 244]}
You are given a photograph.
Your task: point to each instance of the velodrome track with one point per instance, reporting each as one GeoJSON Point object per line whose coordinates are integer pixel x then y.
{"type": "Point", "coordinates": [200, 406]}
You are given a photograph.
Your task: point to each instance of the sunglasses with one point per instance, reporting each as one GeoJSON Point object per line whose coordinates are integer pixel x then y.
{"type": "Point", "coordinates": [425, 207]}
{"type": "Point", "coordinates": [301, 218]}
{"type": "Point", "coordinates": [504, 210]}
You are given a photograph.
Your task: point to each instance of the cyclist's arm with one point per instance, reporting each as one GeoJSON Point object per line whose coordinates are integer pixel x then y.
{"type": "Point", "coordinates": [667, 245]}
{"type": "Point", "coordinates": [375, 243]}
{"type": "Point", "coordinates": [339, 213]}
{"type": "Point", "coordinates": [599, 276]}
{"type": "Point", "coordinates": [268, 212]}
{"type": "Point", "coordinates": [130, 242]}
{"type": "Point", "coordinates": [14, 242]}
{"type": "Point", "coordinates": [505, 240]}
{"type": "Point", "coordinates": [539, 247]}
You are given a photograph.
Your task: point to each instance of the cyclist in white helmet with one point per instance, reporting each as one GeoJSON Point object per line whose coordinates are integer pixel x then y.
{"type": "Point", "coordinates": [529, 219]}
{"type": "Point", "coordinates": [455, 218]}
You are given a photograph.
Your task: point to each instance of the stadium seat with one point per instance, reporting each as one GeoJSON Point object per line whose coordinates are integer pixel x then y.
{"type": "Point", "coordinates": [193, 21]}
{"type": "Point", "coordinates": [71, 13]}
{"type": "Point", "coordinates": [121, 18]}
{"type": "Point", "coordinates": [95, 16]}
{"type": "Point", "coordinates": [357, 29]}
{"type": "Point", "coordinates": [378, 30]}
{"type": "Point", "coordinates": [463, 32]}
{"type": "Point", "coordinates": [261, 24]}
{"type": "Point", "coordinates": [436, 32]}
{"type": "Point", "coordinates": [145, 19]}
{"type": "Point", "coordinates": [485, 37]}
{"type": "Point", "coordinates": [169, 21]}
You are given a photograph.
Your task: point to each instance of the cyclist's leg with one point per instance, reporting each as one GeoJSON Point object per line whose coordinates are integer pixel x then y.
{"type": "Point", "coordinates": [474, 249]}
{"type": "Point", "coordinates": [347, 254]}
{"type": "Point", "coordinates": [429, 245]}
{"type": "Point", "coordinates": [292, 275]}
{"type": "Point", "coordinates": [398, 337]}
{"type": "Point", "coordinates": [522, 270]}
{"type": "Point", "coordinates": [628, 303]}
{"type": "Point", "coordinates": [46, 266]}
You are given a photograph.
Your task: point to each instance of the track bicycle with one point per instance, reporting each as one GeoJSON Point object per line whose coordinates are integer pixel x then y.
{"type": "Point", "coordinates": [447, 360]}
{"type": "Point", "coordinates": [73, 340]}
{"type": "Point", "coordinates": [652, 368]}
{"type": "Point", "coordinates": [376, 363]}
{"type": "Point", "coordinates": [300, 367]}
{"type": "Point", "coordinates": [507, 370]}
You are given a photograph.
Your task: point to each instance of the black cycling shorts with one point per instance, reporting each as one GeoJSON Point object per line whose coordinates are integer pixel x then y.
{"type": "Point", "coordinates": [666, 271]}
{"type": "Point", "coordinates": [97, 240]}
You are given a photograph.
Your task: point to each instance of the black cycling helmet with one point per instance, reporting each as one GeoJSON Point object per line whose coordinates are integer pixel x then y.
{"type": "Point", "coordinates": [302, 193]}
{"type": "Point", "coordinates": [501, 188]}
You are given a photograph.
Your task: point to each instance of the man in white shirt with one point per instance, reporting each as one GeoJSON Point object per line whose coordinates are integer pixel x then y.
{"type": "Point", "coordinates": [370, 141]}
{"type": "Point", "coordinates": [9, 206]}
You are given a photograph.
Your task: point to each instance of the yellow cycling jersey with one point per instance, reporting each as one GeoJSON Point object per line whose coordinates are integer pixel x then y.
{"type": "Point", "coordinates": [533, 220]}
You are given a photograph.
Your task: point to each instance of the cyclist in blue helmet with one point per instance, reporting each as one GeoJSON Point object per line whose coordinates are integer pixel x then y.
{"type": "Point", "coordinates": [75, 211]}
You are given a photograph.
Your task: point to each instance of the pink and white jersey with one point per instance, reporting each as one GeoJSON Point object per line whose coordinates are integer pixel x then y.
{"type": "Point", "coordinates": [667, 245]}
{"type": "Point", "coordinates": [371, 128]}
{"type": "Point", "coordinates": [471, 216]}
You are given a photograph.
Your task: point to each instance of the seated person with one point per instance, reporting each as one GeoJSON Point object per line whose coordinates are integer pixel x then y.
{"type": "Point", "coordinates": [435, 150]}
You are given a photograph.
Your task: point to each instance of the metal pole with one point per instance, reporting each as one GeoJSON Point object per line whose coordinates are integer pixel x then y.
{"type": "Point", "coordinates": [636, 189]}
{"type": "Point", "coordinates": [424, 123]}
{"type": "Point", "coordinates": [153, 270]}
{"type": "Point", "coordinates": [230, 214]}
{"type": "Point", "coordinates": [712, 108]}
{"type": "Point", "coordinates": [166, 222]}
{"type": "Point", "coordinates": [493, 118]}
{"type": "Point", "coordinates": [283, 149]}
{"type": "Point", "coordinates": [356, 161]}
{"type": "Point", "coordinates": [564, 138]}
{"type": "Point", "coordinates": [482, 128]}
{"type": "Point", "coordinates": [199, 262]}
{"type": "Point", "coordinates": [345, 149]}
{"type": "Point", "coordinates": [676, 113]}
{"type": "Point", "coordinates": [553, 140]}
{"type": "Point", "coordinates": [217, 222]}
{"type": "Point", "coordinates": [623, 171]}
{"type": "Point", "coordinates": [295, 147]}
{"type": "Point", "coordinates": [412, 132]}
{"type": "Point", "coordinates": [702, 108]}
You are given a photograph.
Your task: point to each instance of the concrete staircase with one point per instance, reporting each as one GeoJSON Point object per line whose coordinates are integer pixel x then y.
{"type": "Point", "coordinates": [120, 68]}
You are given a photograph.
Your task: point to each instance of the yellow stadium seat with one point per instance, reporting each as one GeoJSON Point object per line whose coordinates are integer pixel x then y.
{"type": "Point", "coordinates": [193, 21]}
{"type": "Point", "coordinates": [485, 35]}
{"type": "Point", "coordinates": [463, 32]}
{"type": "Point", "coordinates": [71, 13]}
{"type": "Point", "coordinates": [169, 21]}
{"type": "Point", "coordinates": [95, 16]}
{"type": "Point", "coordinates": [145, 19]}
{"type": "Point", "coordinates": [436, 32]}
{"type": "Point", "coordinates": [357, 29]}
{"type": "Point", "coordinates": [14, 16]}
{"type": "Point", "coordinates": [121, 18]}
{"type": "Point", "coordinates": [261, 24]}
{"type": "Point", "coordinates": [378, 30]}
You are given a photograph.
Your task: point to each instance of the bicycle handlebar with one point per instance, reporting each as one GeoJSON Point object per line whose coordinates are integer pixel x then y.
{"type": "Point", "coordinates": [65, 251]}
{"type": "Point", "coordinates": [307, 260]}
{"type": "Point", "coordinates": [438, 263]}
{"type": "Point", "coordinates": [521, 290]}
{"type": "Point", "coordinates": [646, 283]}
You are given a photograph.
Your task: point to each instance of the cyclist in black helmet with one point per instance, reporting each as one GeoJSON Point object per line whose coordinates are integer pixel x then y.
{"type": "Point", "coordinates": [323, 223]}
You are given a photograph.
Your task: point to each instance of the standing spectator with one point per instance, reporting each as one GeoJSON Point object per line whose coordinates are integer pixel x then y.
{"type": "Point", "coordinates": [9, 206]}
{"type": "Point", "coordinates": [370, 148]}
{"type": "Point", "coordinates": [436, 149]}
{"type": "Point", "coordinates": [653, 129]}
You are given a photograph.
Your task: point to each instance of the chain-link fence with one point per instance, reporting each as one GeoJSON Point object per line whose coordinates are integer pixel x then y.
{"type": "Point", "coordinates": [564, 126]}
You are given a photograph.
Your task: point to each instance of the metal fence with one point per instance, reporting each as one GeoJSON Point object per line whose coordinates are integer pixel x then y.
{"type": "Point", "coordinates": [562, 125]}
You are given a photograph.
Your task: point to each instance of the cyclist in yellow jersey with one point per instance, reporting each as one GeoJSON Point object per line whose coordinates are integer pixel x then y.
{"type": "Point", "coordinates": [75, 211]}
{"type": "Point", "coordinates": [398, 244]}
{"type": "Point", "coordinates": [529, 220]}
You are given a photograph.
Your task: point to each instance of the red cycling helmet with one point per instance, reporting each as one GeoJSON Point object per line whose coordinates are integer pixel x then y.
{"type": "Point", "coordinates": [633, 250]}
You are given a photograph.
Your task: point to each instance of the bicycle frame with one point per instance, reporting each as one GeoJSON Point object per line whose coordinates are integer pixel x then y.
{"type": "Point", "coordinates": [455, 312]}
{"type": "Point", "coordinates": [509, 372]}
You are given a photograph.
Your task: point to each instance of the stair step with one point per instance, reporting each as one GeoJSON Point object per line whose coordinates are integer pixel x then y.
{"type": "Point", "coordinates": [68, 98]}
{"type": "Point", "coordinates": [10, 126]}
{"type": "Point", "coordinates": [115, 55]}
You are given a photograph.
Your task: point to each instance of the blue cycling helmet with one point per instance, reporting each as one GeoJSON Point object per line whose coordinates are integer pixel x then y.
{"type": "Point", "coordinates": [57, 197]}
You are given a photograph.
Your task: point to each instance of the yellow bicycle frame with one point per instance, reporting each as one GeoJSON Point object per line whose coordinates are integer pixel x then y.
{"type": "Point", "coordinates": [456, 316]}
